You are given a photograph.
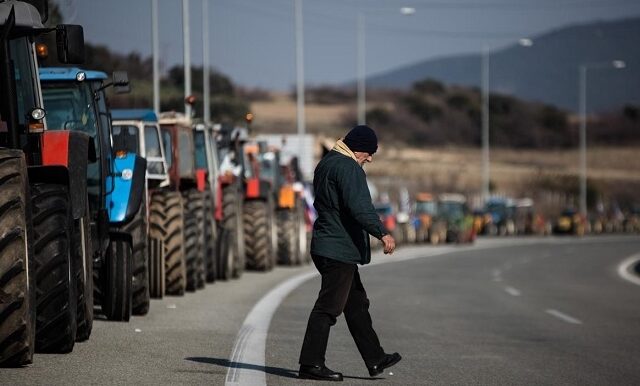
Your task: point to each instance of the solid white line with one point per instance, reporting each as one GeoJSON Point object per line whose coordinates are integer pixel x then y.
{"type": "Point", "coordinates": [247, 358]}
{"type": "Point", "coordinates": [512, 291]}
{"type": "Point", "coordinates": [624, 269]}
{"type": "Point", "coordinates": [563, 316]}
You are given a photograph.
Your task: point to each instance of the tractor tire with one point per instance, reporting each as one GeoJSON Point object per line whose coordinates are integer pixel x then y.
{"type": "Point", "coordinates": [137, 228]}
{"type": "Point", "coordinates": [82, 247]}
{"type": "Point", "coordinates": [226, 254]}
{"type": "Point", "coordinates": [116, 275]}
{"type": "Point", "coordinates": [194, 238]}
{"type": "Point", "coordinates": [173, 226]}
{"type": "Point", "coordinates": [17, 275]}
{"type": "Point", "coordinates": [210, 238]}
{"type": "Point", "coordinates": [257, 235]}
{"type": "Point", "coordinates": [157, 248]}
{"type": "Point", "coordinates": [288, 233]}
{"type": "Point", "coordinates": [56, 310]}
{"type": "Point", "coordinates": [301, 228]}
{"type": "Point", "coordinates": [156, 268]}
{"type": "Point", "coordinates": [232, 212]}
{"type": "Point", "coordinates": [273, 231]}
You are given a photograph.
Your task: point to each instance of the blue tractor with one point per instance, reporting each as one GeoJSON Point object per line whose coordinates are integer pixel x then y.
{"type": "Point", "coordinates": [138, 131]}
{"type": "Point", "coordinates": [75, 100]}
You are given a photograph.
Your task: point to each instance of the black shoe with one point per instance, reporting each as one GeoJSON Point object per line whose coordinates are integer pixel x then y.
{"type": "Point", "coordinates": [388, 361]}
{"type": "Point", "coordinates": [320, 373]}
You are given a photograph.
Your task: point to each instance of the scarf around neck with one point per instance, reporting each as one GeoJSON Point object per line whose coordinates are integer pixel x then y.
{"type": "Point", "coordinates": [343, 149]}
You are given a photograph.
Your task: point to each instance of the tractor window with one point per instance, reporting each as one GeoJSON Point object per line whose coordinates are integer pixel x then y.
{"type": "Point", "coordinates": [168, 149]}
{"type": "Point", "coordinates": [185, 150]}
{"type": "Point", "coordinates": [152, 150]}
{"type": "Point", "coordinates": [427, 207]}
{"type": "Point", "coordinates": [201, 154]}
{"type": "Point", "coordinates": [24, 75]}
{"type": "Point", "coordinates": [70, 106]}
{"type": "Point", "coordinates": [126, 138]}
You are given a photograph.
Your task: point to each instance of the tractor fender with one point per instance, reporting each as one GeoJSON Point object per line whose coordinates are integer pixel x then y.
{"type": "Point", "coordinates": [71, 151]}
{"type": "Point", "coordinates": [257, 189]}
{"type": "Point", "coordinates": [128, 183]}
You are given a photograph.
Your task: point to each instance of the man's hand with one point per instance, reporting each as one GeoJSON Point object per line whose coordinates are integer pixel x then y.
{"type": "Point", "coordinates": [389, 244]}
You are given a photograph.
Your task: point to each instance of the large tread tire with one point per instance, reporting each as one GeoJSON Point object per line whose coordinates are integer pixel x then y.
{"type": "Point", "coordinates": [83, 257]}
{"type": "Point", "coordinates": [56, 323]}
{"type": "Point", "coordinates": [173, 224]}
{"type": "Point", "coordinates": [137, 228]}
{"type": "Point", "coordinates": [232, 210]}
{"type": "Point", "coordinates": [257, 235]}
{"type": "Point", "coordinates": [117, 273]}
{"type": "Point", "coordinates": [288, 243]}
{"type": "Point", "coordinates": [194, 238]}
{"type": "Point", "coordinates": [226, 254]}
{"type": "Point", "coordinates": [157, 247]}
{"type": "Point", "coordinates": [210, 239]}
{"type": "Point", "coordinates": [301, 228]}
{"type": "Point", "coordinates": [17, 274]}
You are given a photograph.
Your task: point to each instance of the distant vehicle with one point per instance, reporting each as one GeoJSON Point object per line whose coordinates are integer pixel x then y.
{"type": "Point", "coordinates": [429, 226]}
{"type": "Point", "coordinates": [569, 222]}
{"type": "Point", "coordinates": [500, 212]}
{"type": "Point", "coordinates": [527, 220]}
{"type": "Point", "coordinates": [454, 210]}
{"type": "Point", "coordinates": [387, 216]}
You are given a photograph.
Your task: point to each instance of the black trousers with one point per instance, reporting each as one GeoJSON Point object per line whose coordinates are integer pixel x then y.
{"type": "Point", "coordinates": [341, 291]}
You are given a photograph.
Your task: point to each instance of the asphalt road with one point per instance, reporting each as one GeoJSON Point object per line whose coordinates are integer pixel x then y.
{"type": "Point", "coordinates": [507, 311]}
{"type": "Point", "coordinates": [554, 312]}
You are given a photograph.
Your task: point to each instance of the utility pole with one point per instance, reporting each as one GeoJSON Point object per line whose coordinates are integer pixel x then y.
{"type": "Point", "coordinates": [300, 75]}
{"type": "Point", "coordinates": [155, 47]}
{"type": "Point", "coordinates": [361, 69]}
{"type": "Point", "coordinates": [205, 62]}
{"type": "Point", "coordinates": [486, 171]}
{"type": "Point", "coordinates": [187, 55]}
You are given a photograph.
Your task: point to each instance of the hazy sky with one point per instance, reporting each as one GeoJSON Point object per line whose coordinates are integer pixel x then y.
{"type": "Point", "coordinates": [253, 40]}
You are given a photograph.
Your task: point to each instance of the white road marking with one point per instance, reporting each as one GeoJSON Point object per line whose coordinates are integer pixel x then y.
{"type": "Point", "coordinates": [247, 359]}
{"type": "Point", "coordinates": [512, 291]}
{"type": "Point", "coordinates": [171, 306]}
{"type": "Point", "coordinates": [562, 316]}
{"type": "Point", "coordinates": [497, 275]}
{"type": "Point", "coordinates": [625, 268]}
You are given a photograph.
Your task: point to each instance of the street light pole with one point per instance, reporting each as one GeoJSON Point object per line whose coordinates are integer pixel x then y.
{"type": "Point", "coordinates": [361, 69]}
{"type": "Point", "coordinates": [299, 75]}
{"type": "Point", "coordinates": [155, 47]}
{"type": "Point", "coordinates": [205, 62]}
{"type": "Point", "coordinates": [582, 90]}
{"type": "Point", "coordinates": [583, 139]}
{"type": "Point", "coordinates": [485, 73]}
{"type": "Point", "coordinates": [486, 172]}
{"type": "Point", "coordinates": [187, 55]}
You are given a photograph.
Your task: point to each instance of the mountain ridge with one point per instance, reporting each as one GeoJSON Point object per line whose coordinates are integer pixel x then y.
{"type": "Point", "coordinates": [547, 71]}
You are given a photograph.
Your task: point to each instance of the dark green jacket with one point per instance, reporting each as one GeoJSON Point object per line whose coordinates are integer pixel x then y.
{"type": "Point", "coordinates": [345, 211]}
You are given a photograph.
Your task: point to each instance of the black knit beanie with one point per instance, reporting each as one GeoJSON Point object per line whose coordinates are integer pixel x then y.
{"type": "Point", "coordinates": [362, 138]}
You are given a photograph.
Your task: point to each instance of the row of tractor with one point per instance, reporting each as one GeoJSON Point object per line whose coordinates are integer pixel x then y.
{"type": "Point", "coordinates": [101, 211]}
{"type": "Point", "coordinates": [433, 219]}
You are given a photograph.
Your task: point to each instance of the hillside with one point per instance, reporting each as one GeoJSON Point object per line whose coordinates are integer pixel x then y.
{"type": "Point", "coordinates": [546, 71]}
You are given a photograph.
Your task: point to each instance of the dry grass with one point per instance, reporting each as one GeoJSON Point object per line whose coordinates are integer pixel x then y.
{"type": "Point", "coordinates": [279, 114]}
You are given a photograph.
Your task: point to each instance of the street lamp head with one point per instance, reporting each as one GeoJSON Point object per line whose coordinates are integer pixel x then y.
{"type": "Point", "coordinates": [619, 64]}
{"type": "Point", "coordinates": [525, 42]}
{"type": "Point", "coordinates": [407, 11]}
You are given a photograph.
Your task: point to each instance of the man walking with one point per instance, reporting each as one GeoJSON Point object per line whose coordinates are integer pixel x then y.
{"type": "Point", "coordinates": [340, 241]}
